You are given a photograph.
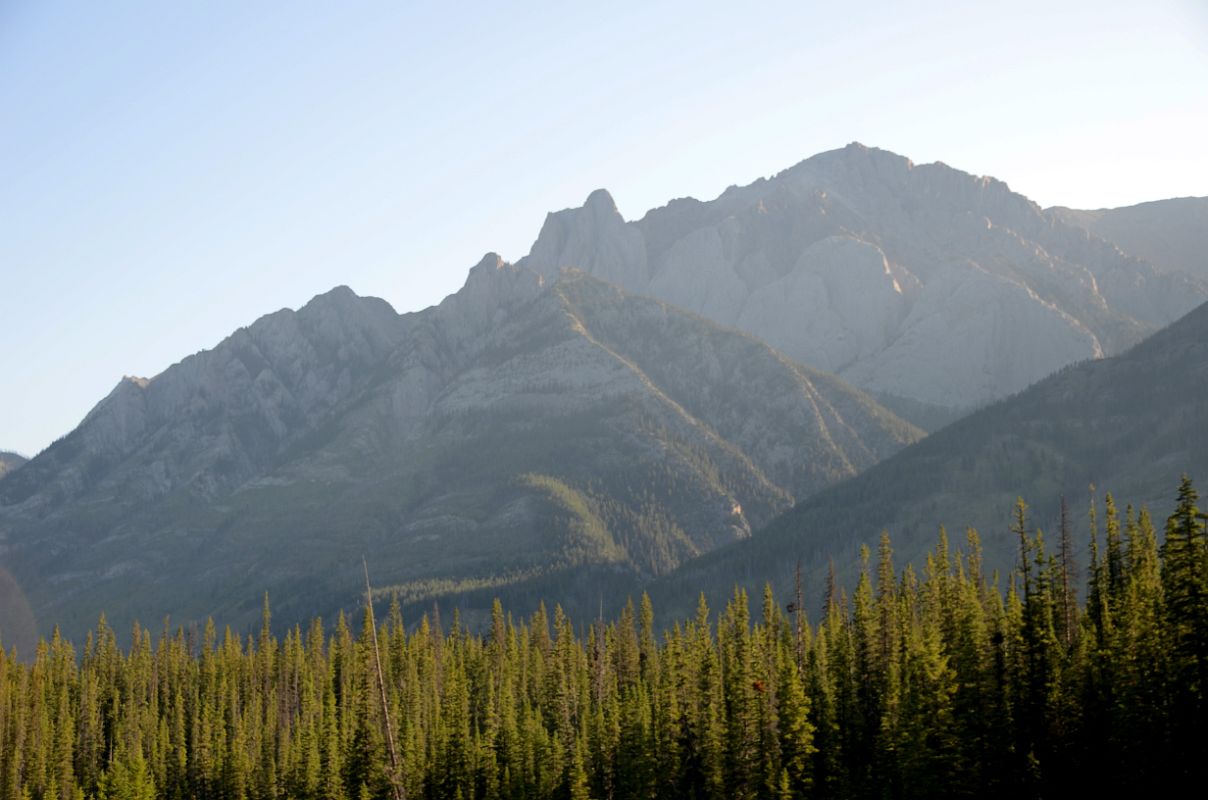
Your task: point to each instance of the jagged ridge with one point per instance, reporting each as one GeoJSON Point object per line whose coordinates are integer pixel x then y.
{"type": "Point", "coordinates": [916, 281]}
{"type": "Point", "coordinates": [526, 431]}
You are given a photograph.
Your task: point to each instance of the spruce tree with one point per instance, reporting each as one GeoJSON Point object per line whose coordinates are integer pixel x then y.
{"type": "Point", "coordinates": [1185, 593]}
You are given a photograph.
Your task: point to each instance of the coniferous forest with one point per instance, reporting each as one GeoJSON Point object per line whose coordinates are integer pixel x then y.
{"type": "Point", "coordinates": [940, 681]}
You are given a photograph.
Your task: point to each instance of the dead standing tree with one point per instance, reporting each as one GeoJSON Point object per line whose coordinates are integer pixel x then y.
{"type": "Point", "coordinates": [400, 793]}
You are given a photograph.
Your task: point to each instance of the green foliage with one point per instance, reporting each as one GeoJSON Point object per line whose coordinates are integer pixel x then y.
{"type": "Point", "coordinates": [934, 685]}
{"type": "Point", "coordinates": [127, 779]}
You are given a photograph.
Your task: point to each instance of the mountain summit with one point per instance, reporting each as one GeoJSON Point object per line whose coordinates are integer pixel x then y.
{"type": "Point", "coordinates": [917, 282]}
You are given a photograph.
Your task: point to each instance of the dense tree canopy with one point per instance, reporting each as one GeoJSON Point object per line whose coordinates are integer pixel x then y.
{"type": "Point", "coordinates": [937, 682]}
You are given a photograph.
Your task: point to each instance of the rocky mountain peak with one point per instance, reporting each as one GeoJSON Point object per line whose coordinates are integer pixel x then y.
{"type": "Point", "coordinates": [336, 294]}
{"type": "Point", "coordinates": [917, 281]}
{"type": "Point", "coordinates": [594, 238]}
{"type": "Point", "coordinates": [494, 279]}
{"type": "Point", "coordinates": [356, 312]}
{"type": "Point", "coordinates": [492, 288]}
{"type": "Point", "coordinates": [855, 159]}
{"type": "Point", "coordinates": [210, 421]}
{"type": "Point", "coordinates": [601, 204]}
{"type": "Point", "coordinates": [490, 261]}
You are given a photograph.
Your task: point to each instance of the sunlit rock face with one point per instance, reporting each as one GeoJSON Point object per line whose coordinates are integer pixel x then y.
{"type": "Point", "coordinates": [918, 281]}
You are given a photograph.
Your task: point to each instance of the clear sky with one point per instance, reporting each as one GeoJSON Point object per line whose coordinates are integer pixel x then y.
{"type": "Point", "coordinates": [170, 171]}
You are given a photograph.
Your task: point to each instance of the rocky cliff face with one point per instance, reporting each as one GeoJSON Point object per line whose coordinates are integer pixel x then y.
{"type": "Point", "coordinates": [528, 431]}
{"type": "Point", "coordinates": [918, 281]}
{"type": "Point", "coordinates": [1170, 234]}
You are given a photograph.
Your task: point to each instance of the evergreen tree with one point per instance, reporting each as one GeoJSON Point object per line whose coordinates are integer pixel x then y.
{"type": "Point", "coordinates": [128, 778]}
{"type": "Point", "coordinates": [937, 685]}
{"type": "Point", "coordinates": [1185, 593]}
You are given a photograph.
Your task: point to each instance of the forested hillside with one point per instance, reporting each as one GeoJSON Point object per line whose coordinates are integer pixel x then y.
{"type": "Point", "coordinates": [935, 682]}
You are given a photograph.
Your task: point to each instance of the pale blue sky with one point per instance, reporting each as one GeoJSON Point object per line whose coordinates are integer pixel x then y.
{"type": "Point", "coordinates": [170, 171]}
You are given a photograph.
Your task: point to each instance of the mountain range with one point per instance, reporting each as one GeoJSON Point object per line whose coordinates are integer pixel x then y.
{"type": "Point", "coordinates": [695, 398]}
{"type": "Point", "coordinates": [926, 285]}
{"type": "Point", "coordinates": [521, 436]}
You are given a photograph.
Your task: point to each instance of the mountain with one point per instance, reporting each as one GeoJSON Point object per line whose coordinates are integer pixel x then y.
{"type": "Point", "coordinates": [1170, 234]}
{"type": "Point", "coordinates": [528, 435]}
{"type": "Point", "coordinates": [1131, 425]}
{"type": "Point", "coordinates": [928, 286]}
{"type": "Point", "coordinates": [17, 627]}
{"type": "Point", "coordinates": [10, 461]}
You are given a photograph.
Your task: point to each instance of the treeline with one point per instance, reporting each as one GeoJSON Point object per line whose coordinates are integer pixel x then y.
{"type": "Point", "coordinates": [939, 682]}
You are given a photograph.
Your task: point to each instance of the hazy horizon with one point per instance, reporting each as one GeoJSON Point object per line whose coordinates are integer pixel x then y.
{"type": "Point", "coordinates": [173, 174]}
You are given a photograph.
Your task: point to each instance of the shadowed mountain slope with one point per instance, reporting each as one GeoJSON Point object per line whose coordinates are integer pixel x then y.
{"type": "Point", "coordinates": [1131, 425]}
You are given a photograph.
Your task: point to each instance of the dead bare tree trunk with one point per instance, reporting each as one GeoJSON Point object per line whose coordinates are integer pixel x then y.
{"type": "Point", "coordinates": [400, 793]}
